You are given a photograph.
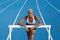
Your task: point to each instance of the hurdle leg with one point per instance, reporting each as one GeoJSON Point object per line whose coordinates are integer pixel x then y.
{"type": "Point", "coordinates": [49, 38]}
{"type": "Point", "coordinates": [9, 36]}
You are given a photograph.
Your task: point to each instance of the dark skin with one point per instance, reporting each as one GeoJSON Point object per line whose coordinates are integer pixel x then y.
{"type": "Point", "coordinates": [30, 31]}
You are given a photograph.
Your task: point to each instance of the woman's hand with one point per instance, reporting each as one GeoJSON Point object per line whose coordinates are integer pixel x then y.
{"type": "Point", "coordinates": [21, 25]}
{"type": "Point", "coordinates": [38, 25]}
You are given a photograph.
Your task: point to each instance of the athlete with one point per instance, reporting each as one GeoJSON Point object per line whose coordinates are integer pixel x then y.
{"type": "Point", "coordinates": [31, 20]}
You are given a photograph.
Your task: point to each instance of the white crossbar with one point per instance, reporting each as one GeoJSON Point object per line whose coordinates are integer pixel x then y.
{"type": "Point", "coordinates": [29, 26]}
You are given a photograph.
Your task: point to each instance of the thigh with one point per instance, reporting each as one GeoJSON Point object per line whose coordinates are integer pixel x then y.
{"type": "Point", "coordinates": [27, 29]}
{"type": "Point", "coordinates": [33, 30]}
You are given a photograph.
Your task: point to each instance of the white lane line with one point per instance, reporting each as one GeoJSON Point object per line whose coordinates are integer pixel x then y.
{"type": "Point", "coordinates": [42, 18]}
{"type": "Point", "coordinates": [40, 12]}
{"type": "Point", "coordinates": [52, 6]}
{"type": "Point", "coordinates": [19, 12]}
{"type": "Point", "coordinates": [8, 6]}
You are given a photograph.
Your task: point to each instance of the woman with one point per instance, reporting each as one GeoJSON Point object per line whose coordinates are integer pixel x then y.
{"type": "Point", "coordinates": [30, 21]}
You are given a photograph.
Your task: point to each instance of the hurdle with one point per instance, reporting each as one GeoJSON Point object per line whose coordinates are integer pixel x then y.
{"type": "Point", "coordinates": [11, 27]}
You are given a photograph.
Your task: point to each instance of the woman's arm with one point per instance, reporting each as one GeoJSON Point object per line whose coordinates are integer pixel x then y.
{"type": "Point", "coordinates": [40, 23]}
{"type": "Point", "coordinates": [20, 23]}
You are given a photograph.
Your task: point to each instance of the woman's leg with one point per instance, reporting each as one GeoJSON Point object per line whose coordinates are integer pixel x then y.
{"type": "Point", "coordinates": [32, 32]}
{"type": "Point", "coordinates": [28, 33]}
{"type": "Point", "coordinates": [27, 30]}
{"type": "Point", "coordinates": [32, 35]}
